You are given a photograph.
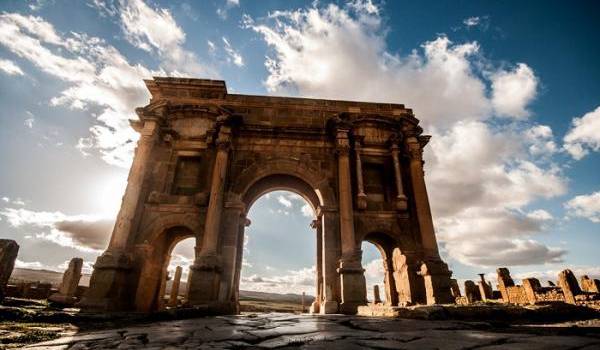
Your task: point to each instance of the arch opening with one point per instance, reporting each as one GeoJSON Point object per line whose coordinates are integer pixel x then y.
{"type": "Point", "coordinates": [181, 257]}
{"type": "Point", "coordinates": [280, 246]}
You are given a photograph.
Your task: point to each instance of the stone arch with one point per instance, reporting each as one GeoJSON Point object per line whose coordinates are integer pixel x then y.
{"type": "Point", "coordinates": [324, 195]}
{"type": "Point", "coordinates": [155, 255]}
{"type": "Point", "coordinates": [384, 242]}
{"type": "Point", "coordinates": [292, 175]}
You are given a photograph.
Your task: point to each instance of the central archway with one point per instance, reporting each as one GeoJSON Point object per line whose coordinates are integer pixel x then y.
{"type": "Point", "coordinates": [278, 181]}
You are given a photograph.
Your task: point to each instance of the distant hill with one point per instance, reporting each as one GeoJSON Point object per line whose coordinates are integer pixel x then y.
{"type": "Point", "coordinates": [55, 278]}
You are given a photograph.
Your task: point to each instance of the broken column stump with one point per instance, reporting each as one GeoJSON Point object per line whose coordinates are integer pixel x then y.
{"type": "Point", "coordinates": [175, 287]}
{"type": "Point", "coordinates": [568, 283]}
{"type": "Point", "coordinates": [68, 288]}
{"type": "Point", "coordinates": [376, 296]}
{"type": "Point", "coordinates": [9, 250]}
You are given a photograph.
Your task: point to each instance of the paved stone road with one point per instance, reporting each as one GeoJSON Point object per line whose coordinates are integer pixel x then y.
{"type": "Point", "coordinates": [288, 331]}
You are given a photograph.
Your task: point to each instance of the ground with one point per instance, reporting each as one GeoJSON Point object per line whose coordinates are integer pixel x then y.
{"type": "Point", "coordinates": [291, 331]}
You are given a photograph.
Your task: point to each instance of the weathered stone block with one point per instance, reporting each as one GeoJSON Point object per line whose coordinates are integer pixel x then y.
{"type": "Point", "coordinates": [9, 250]}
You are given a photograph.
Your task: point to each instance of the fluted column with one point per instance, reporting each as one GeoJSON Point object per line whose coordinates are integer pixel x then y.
{"type": "Point", "coordinates": [401, 203]}
{"type": "Point", "coordinates": [361, 197]}
{"type": "Point", "coordinates": [135, 181]}
{"type": "Point", "coordinates": [353, 284]}
{"type": "Point", "coordinates": [424, 218]}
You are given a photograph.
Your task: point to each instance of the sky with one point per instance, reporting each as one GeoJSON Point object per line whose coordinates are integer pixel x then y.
{"type": "Point", "coordinates": [509, 91]}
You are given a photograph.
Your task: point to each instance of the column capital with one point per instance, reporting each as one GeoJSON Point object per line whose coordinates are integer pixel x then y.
{"type": "Point", "coordinates": [414, 148]}
{"type": "Point", "coordinates": [342, 141]}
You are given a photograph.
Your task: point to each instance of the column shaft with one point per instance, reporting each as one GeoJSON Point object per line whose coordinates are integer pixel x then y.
{"type": "Point", "coordinates": [135, 181]}
{"type": "Point", "coordinates": [215, 204]}
{"type": "Point", "coordinates": [361, 197]}
{"type": "Point", "coordinates": [424, 218]}
{"type": "Point", "coordinates": [400, 197]}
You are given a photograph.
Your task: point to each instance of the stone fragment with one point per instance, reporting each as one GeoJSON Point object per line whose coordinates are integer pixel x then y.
{"type": "Point", "coordinates": [568, 283]}
{"type": "Point", "coordinates": [551, 284]}
{"type": "Point", "coordinates": [485, 290]}
{"type": "Point", "coordinates": [472, 292]}
{"type": "Point", "coordinates": [70, 282]}
{"type": "Point", "coordinates": [590, 285]}
{"type": "Point", "coordinates": [531, 286]}
{"type": "Point", "coordinates": [504, 281]}
{"type": "Point", "coordinates": [376, 296]}
{"type": "Point", "coordinates": [8, 254]}
{"type": "Point", "coordinates": [174, 293]}
{"type": "Point", "coordinates": [436, 278]}
{"type": "Point", "coordinates": [454, 288]}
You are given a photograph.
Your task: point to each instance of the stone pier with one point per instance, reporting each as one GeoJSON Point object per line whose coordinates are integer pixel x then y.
{"type": "Point", "coordinates": [70, 282]}
{"type": "Point", "coordinates": [9, 250]}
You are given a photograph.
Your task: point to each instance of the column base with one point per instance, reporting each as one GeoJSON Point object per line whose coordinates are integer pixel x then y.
{"type": "Point", "coordinates": [110, 285]}
{"type": "Point", "coordinates": [205, 276]}
{"type": "Point", "coordinates": [314, 308]}
{"type": "Point", "coordinates": [329, 307]}
{"type": "Point", "coordinates": [353, 283]}
{"type": "Point", "coordinates": [401, 203]}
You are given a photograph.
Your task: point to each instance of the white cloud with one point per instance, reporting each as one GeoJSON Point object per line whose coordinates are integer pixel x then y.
{"type": "Point", "coordinates": [540, 214]}
{"type": "Point", "coordinates": [295, 281]}
{"type": "Point", "coordinates": [481, 175]}
{"type": "Point", "coordinates": [585, 206]}
{"type": "Point", "coordinates": [10, 68]}
{"type": "Point", "coordinates": [233, 55]}
{"type": "Point", "coordinates": [155, 29]}
{"type": "Point", "coordinates": [307, 211]}
{"type": "Point", "coordinates": [584, 135]}
{"type": "Point", "coordinates": [87, 233]}
{"type": "Point", "coordinates": [222, 11]}
{"type": "Point", "coordinates": [284, 201]}
{"type": "Point", "coordinates": [513, 90]}
{"type": "Point", "coordinates": [541, 140]}
{"type": "Point", "coordinates": [35, 265]}
{"type": "Point", "coordinates": [29, 122]}
{"type": "Point", "coordinates": [471, 21]}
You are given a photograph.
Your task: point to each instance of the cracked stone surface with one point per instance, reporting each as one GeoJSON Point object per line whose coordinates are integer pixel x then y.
{"type": "Point", "coordinates": [288, 331]}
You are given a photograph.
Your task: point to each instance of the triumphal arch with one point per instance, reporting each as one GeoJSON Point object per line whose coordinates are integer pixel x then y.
{"type": "Point", "coordinates": [205, 155]}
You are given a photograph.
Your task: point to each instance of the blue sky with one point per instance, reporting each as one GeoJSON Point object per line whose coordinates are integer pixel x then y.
{"type": "Point", "coordinates": [510, 92]}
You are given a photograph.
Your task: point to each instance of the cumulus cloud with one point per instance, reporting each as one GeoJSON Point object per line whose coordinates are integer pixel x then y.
{"type": "Point", "coordinates": [87, 233]}
{"type": "Point", "coordinates": [155, 30]}
{"type": "Point", "coordinates": [284, 201]}
{"type": "Point", "coordinates": [481, 174]}
{"type": "Point", "coordinates": [471, 21]}
{"type": "Point", "coordinates": [584, 135]}
{"type": "Point", "coordinates": [295, 281]}
{"type": "Point", "coordinates": [585, 206]}
{"type": "Point", "coordinates": [10, 68]}
{"type": "Point", "coordinates": [98, 76]}
{"type": "Point", "coordinates": [513, 90]}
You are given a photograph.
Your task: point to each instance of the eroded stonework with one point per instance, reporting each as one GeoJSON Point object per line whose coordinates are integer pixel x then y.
{"type": "Point", "coordinates": [204, 156]}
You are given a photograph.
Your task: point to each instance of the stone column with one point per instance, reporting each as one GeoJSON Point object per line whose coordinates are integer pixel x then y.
{"type": "Point", "coordinates": [353, 284]}
{"type": "Point", "coordinates": [204, 281]}
{"type": "Point", "coordinates": [175, 287]}
{"type": "Point", "coordinates": [330, 256]}
{"type": "Point", "coordinates": [424, 218]}
{"type": "Point", "coordinates": [317, 226]}
{"type": "Point", "coordinates": [376, 296]}
{"type": "Point", "coordinates": [9, 250]}
{"type": "Point", "coordinates": [472, 292]}
{"type": "Point", "coordinates": [70, 281]}
{"type": "Point", "coordinates": [531, 286]}
{"type": "Point", "coordinates": [135, 181]}
{"type": "Point", "coordinates": [361, 197]}
{"type": "Point", "coordinates": [391, 295]}
{"type": "Point", "coordinates": [401, 201]}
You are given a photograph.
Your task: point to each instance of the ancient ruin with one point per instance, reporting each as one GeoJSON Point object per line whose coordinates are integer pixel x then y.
{"type": "Point", "coordinates": [205, 155]}
{"type": "Point", "coordinates": [68, 288]}
{"type": "Point", "coordinates": [9, 250]}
